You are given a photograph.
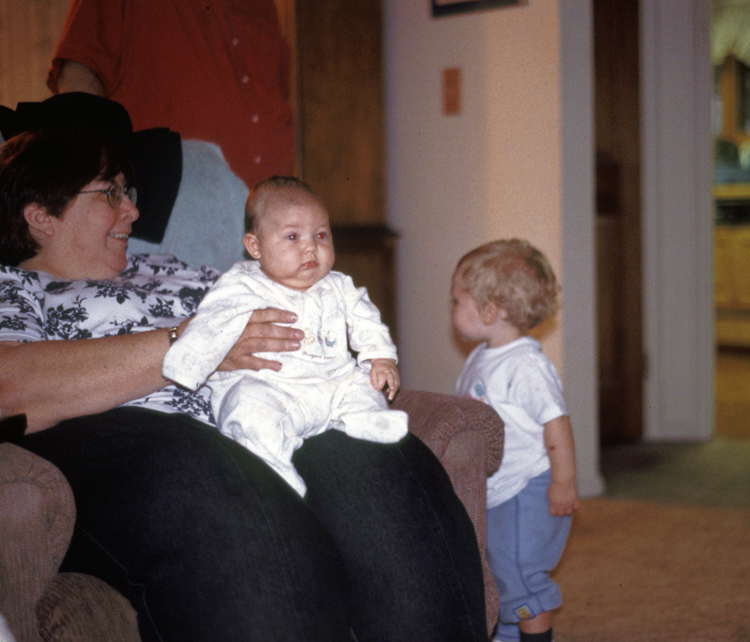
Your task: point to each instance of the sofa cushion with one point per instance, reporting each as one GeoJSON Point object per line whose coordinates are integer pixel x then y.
{"type": "Point", "coordinates": [37, 514]}
{"type": "Point", "coordinates": [77, 607]}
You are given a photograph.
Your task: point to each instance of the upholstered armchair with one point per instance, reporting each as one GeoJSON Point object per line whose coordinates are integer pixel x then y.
{"type": "Point", "coordinates": [37, 513]}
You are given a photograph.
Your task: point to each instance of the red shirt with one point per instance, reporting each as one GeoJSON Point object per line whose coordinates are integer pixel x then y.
{"type": "Point", "coordinates": [215, 70]}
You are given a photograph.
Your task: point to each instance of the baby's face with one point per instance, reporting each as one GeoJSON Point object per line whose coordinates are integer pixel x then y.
{"type": "Point", "coordinates": [293, 244]}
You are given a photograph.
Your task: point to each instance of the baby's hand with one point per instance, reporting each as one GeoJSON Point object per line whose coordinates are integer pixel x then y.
{"type": "Point", "coordinates": [385, 373]}
{"type": "Point", "coordinates": [563, 499]}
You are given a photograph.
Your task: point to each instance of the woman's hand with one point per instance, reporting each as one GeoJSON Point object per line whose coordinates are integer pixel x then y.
{"type": "Point", "coordinates": [263, 334]}
{"type": "Point", "coordinates": [384, 374]}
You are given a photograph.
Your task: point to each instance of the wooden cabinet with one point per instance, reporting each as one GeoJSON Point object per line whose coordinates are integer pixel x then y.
{"type": "Point", "coordinates": [367, 254]}
{"type": "Point", "coordinates": [732, 249]}
{"type": "Point", "coordinates": [732, 269]}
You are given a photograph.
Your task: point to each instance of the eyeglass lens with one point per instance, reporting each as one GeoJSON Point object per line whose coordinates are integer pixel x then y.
{"type": "Point", "coordinates": [115, 193]}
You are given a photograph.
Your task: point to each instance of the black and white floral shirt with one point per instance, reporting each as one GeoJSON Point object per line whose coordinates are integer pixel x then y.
{"type": "Point", "coordinates": [154, 291]}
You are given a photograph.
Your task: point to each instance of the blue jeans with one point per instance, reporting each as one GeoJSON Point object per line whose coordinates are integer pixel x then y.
{"type": "Point", "coordinates": [524, 543]}
{"type": "Point", "coordinates": [208, 543]}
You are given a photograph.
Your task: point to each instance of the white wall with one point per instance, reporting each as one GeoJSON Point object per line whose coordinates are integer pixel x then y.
{"type": "Point", "coordinates": [496, 170]}
{"type": "Point", "coordinates": [577, 235]}
{"type": "Point", "coordinates": [676, 85]}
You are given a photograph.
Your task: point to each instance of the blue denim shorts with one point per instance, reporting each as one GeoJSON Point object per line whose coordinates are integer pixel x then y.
{"type": "Point", "coordinates": [524, 543]}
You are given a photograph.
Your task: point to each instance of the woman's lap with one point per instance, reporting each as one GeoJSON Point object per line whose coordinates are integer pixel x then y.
{"type": "Point", "coordinates": [226, 550]}
{"type": "Point", "coordinates": [408, 543]}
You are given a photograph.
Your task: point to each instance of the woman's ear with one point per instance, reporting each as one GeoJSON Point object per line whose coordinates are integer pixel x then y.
{"type": "Point", "coordinates": [250, 241]}
{"type": "Point", "coordinates": [39, 221]}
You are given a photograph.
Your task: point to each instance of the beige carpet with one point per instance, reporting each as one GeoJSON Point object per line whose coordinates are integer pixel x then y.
{"type": "Point", "coordinates": [640, 571]}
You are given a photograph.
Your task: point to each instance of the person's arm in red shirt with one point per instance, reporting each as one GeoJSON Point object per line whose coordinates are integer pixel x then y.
{"type": "Point", "coordinates": [89, 52]}
{"type": "Point", "coordinates": [73, 76]}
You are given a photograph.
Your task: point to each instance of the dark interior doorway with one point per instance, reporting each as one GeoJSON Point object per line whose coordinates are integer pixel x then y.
{"type": "Point", "coordinates": [618, 221]}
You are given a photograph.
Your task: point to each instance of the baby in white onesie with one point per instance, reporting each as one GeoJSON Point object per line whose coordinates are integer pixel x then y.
{"type": "Point", "coordinates": [320, 386]}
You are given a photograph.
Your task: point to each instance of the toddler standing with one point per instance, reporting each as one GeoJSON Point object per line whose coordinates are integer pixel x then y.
{"type": "Point", "coordinates": [499, 291]}
{"type": "Point", "coordinates": [320, 386]}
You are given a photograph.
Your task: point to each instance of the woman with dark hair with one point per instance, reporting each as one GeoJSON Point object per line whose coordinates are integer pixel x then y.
{"type": "Point", "coordinates": [204, 539]}
{"type": "Point", "coordinates": [37, 177]}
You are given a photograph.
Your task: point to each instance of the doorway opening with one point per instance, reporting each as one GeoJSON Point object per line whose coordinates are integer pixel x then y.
{"type": "Point", "coordinates": [730, 128]}
{"type": "Point", "coordinates": [618, 221]}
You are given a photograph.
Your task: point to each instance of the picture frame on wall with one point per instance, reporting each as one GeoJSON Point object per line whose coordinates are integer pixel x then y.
{"type": "Point", "coordinates": [452, 7]}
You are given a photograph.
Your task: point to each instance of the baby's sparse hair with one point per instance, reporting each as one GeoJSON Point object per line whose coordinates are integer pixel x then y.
{"type": "Point", "coordinates": [277, 189]}
{"type": "Point", "coordinates": [513, 275]}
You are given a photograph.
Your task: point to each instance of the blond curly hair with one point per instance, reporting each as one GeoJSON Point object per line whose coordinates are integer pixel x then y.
{"type": "Point", "coordinates": [513, 275]}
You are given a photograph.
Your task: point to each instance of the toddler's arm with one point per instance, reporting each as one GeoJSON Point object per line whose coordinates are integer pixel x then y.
{"type": "Point", "coordinates": [558, 439]}
{"type": "Point", "coordinates": [384, 372]}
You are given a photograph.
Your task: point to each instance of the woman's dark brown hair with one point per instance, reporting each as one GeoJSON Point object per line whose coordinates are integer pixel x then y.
{"type": "Point", "coordinates": [48, 168]}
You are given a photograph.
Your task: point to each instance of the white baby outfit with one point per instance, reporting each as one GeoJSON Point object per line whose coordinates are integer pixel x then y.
{"type": "Point", "coordinates": [320, 386]}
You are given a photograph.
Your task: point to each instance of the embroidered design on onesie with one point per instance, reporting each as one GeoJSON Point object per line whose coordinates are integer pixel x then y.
{"type": "Point", "coordinates": [524, 612]}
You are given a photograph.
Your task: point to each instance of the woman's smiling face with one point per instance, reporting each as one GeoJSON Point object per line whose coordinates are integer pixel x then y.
{"type": "Point", "coordinates": [90, 239]}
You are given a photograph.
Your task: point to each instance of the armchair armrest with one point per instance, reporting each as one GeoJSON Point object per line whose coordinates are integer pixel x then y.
{"type": "Point", "coordinates": [437, 419]}
{"type": "Point", "coordinates": [37, 514]}
{"type": "Point", "coordinates": [78, 607]}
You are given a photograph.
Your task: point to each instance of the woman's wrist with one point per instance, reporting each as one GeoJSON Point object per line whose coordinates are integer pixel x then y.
{"type": "Point", "coordinates": [175, 332]}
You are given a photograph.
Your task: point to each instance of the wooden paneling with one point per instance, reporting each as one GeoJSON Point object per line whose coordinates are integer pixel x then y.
{"type": "Point", "coordinates": [29, 31]}
{"type": "Point", "coordinates": [340, 136]}
{"type": "Point", "coordinates": [340, 106]}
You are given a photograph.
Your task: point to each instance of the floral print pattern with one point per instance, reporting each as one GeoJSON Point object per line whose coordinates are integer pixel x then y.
{"type": "Point", "coordinates": [154, 291]}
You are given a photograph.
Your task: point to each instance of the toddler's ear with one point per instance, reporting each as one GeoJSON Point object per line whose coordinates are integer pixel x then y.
{"type": "Point", "coordinates": [250, 241]}
{"type": "Point", "coordinates": [491, 313]}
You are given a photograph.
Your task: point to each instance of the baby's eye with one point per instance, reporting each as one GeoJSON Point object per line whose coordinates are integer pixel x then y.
{"type": "Point", "coordinates": [322, 236]}
{"type": "Point", "coordinates": [292, 237]}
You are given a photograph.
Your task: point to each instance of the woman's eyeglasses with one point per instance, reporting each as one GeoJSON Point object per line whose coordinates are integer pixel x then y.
{"type": "Point", "coordinates": [114, 194]}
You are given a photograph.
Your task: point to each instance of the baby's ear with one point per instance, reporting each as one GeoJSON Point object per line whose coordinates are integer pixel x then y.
{"type": "Point", "coordinates": [250, 241]}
